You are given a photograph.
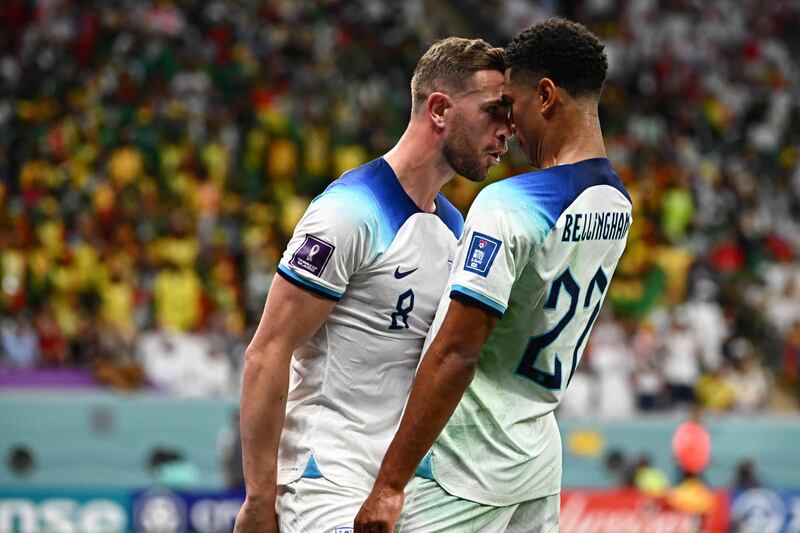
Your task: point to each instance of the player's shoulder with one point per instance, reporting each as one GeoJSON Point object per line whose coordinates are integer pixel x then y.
{"type": "Point", "coordinates": [450, 216]}
{"type": "Point", "coordinates": [549, 191]}
{"type": "Point", "coordinates": [355, 197]}
{"type": "Point", "coordinates": [370, 196]}
{"type": "Point", "coordinates": [356, 182]}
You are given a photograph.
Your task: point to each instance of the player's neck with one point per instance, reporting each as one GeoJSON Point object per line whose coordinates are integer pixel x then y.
{"type": "Point", "coordinates": [577, 137]}
{"type": "Point", "coordinates": [420, 167]}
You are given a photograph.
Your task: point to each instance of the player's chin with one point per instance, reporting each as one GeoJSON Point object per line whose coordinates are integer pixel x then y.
{"type": "Point", "coordinates": [480, 176]}
{"type": "Point", "coordinates": [481, 170]}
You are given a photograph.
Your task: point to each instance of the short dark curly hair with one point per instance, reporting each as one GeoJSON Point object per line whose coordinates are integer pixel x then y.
{"type": "Point", "coordinates": [562, 50]}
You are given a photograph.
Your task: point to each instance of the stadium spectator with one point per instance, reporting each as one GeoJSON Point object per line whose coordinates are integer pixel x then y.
{"type": "Point", "coordinates": [750, 383]}
{"type": "Point", "coordinates": [171, 469]}
{"type": "Point", "coordinates": [648, 380]}
{"type": "Point", "coordinates": [681, 361]}
{"type": "Point", "coordinates": [612, 361]}
{"type": "Point", "coordinates": [19, 342]}
{"type": "Point", "coordinates": [21, 462]}
{"type": "Point", "coordinates": [229, 447]}
{"type": "Point", "coordinates": [716, 390]}
{"type": "Point", "coordinates": [791, 359]}
{"type": "Point", "coordinates": [745, 476]}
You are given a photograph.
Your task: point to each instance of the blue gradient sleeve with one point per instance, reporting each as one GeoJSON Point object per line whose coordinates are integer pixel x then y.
{"type": "Point", "coordinates": [328, 245]}
{"type": "Point", "coordinates": [499, 233]}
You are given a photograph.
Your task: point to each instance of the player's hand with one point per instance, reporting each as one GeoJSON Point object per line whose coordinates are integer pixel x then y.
{"type": "Point", "coordinates": [379, 512]}
{"type": "Point", "coordinates": [256, 518]}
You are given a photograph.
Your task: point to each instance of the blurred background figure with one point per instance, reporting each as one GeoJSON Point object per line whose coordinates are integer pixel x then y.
{"type": "Point", "coordinates": [21, 462]}
{"type": "Point", "coordinates": [229, 448]}
{"type": "Point", "coordinates": [171, 469]}
{"type": "Point", "coordinates": [19, 342]}
{"type": "Point", "coordinates": [745, 476]}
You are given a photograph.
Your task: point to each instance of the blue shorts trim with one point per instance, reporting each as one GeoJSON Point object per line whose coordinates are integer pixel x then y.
{"type": "Point", "coordinates": [312, 470]}
{"type": "Point", "coordinates": [424, 469]}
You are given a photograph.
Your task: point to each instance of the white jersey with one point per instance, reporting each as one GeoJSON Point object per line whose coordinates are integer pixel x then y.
{"type": "Point", "coordinates": [364, 243]}
{"type": "Point", "coordinates": [538, 250]}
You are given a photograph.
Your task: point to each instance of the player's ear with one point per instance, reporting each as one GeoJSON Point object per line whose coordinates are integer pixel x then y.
{"type": "Point", "coordinates": [436, 105]}
{"type": "Point", "coordinates": [546, 92]}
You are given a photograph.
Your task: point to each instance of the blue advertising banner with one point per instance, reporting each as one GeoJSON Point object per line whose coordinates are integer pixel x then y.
{"type": "Point", "coordinates": [65, 511]}
{"type": "Point", "coordinates": [117, 511]}
{"type": "Point", "coordinates": [166, 511]}
{"type": "Point", "coordinates": [765, 511]}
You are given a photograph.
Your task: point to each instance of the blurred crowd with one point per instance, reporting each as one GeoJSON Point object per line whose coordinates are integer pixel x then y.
{"type": "Point", "coordinates": [155, 157]}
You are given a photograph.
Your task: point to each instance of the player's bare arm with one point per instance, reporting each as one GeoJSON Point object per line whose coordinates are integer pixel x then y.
{"type": "Point", "coordinates": [446, 370]}
{"type": "Point", "coordinates": [291, 316]}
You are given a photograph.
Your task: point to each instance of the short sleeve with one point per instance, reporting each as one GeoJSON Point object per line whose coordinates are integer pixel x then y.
{"type": "Point", "coordinates": [488, 257]}
{"type": "Point", "coordinates": [326, 249]}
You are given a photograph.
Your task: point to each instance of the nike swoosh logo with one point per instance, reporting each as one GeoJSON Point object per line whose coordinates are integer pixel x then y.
{"type": "Point", "coordinates": [401, 275]}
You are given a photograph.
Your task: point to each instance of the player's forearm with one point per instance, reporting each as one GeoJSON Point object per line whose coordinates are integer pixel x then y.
{"type": "Point", "coordinates": [263, 407]}
{"type": "Point", "coordinates": [440, 382]}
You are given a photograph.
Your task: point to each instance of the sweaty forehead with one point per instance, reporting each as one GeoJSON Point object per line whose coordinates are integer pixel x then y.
{"type": "Point", "coordinates": [487, 83]}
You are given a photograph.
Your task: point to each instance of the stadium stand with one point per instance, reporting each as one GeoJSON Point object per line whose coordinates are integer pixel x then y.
{"type": "Point", "coordinates": [154, 156]}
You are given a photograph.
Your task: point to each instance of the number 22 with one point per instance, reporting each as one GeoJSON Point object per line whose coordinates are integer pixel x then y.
{"type": "Point", "coordinates": [527, 364]}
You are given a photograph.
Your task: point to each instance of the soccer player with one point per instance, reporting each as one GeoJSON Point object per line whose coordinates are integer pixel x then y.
{"type": "Point", "coordinates": [329, 369]}
{"type": "Point", "coordinates": [528, 281]}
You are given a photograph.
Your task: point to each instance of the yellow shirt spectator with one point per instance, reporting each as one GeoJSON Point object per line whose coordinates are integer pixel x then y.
{"type": "Point", "coordinates": [179, 251]}
{"type": "Point", "coordinates": [125, 165]}
{"type": "Point", "coordinates": [118, 305]}
{"type": "Point", "coordinates": [177, 296]}
{"type": "Point", "coordinates": [347, 157]}
{"type": "Point", "coordinates": [715, 391]}
{"type": "Point", "coordinates": [282, 159]}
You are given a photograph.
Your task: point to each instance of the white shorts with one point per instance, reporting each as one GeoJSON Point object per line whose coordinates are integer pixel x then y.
{"type": "Point", "coordinates": [430, 509]}
{"type": "Point", "coordinates": [316, 505]}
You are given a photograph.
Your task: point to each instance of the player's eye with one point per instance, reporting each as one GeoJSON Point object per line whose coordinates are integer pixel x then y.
{"type": "Point", "coordinates": [499, 111]}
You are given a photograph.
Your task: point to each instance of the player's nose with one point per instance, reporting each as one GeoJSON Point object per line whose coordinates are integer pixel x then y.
{"type": "Point", "coordinates": [507, 130]}
{"type": "Point", "coordinates": [502, 146]}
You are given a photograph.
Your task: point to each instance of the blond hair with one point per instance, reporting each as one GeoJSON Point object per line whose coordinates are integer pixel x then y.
{"type": "Point", "coordinates": [448, 66]}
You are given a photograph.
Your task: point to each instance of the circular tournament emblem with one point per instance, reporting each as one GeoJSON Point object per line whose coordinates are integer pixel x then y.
{"type": "Point", "coordinates": [758, 511]}
{"type": "Point", "coordinates": [160, 511]}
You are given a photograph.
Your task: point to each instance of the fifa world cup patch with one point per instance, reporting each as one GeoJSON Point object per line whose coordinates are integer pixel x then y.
{"type": "Point", "coordinates": [313, 255]}
{"type": "Point", "coordinates": [482, 251]}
